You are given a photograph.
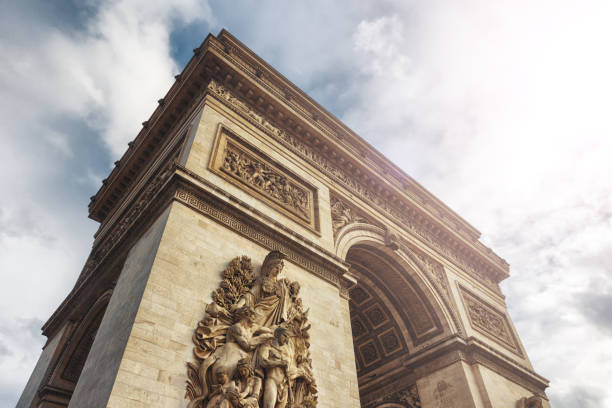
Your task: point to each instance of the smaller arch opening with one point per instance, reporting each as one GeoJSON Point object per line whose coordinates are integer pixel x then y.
{"type": "Point", "coordinates": [65, 373]}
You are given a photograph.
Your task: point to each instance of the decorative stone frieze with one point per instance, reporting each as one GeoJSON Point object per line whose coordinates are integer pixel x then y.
{"type": "Point", "coordinates": [410, 219]}
{"type": "Point", "coordinates": [272, 241]}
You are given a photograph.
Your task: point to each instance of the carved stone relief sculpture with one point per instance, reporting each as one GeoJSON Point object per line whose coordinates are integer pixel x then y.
{"type": "Point", "coordinates": [417, 226]}
{"type": "Point", "coordinates": [489, 321]}
{"type": "Point", "coordinates": [264, 178]}
{"type": "Point", "coordinates": [252, 346]}
{"type": "Point", "coordinates": [245, 166]}
{"type": "Point", "coordinates": [343, 215]}
{"type": "Point", "coordinates": [392, 240]}
{"type": "Point", "coordinates": [405, 397]}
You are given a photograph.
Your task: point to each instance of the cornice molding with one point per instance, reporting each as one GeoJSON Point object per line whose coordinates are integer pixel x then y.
{"type": "Point", "coordinates": [173, 182]}
{"type": "Point", "coordinates": [257, 71]}
{"type": "Point", "coordinates": [192, 196]}
{"type": "Point", "coordinates": [453, 349]}
{"type": "Point", "coordinates": [205, 185]}
{"type": "Point", "coordinates": [449, 245]}
{"type": "Point", "coordinates": [166, 120]}
{"type": "Point", "coordinates": [474, 351]}
{"type": "Point", "coordinates": [311, 130]}
{"type": "Point", "coordinates": [276, 84]}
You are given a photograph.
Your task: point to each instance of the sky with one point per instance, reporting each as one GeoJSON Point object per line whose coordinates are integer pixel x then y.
{"type": "Point", "coordinates": [501, 109]}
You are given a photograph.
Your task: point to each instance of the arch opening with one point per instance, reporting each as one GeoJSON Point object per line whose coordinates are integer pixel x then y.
{"type": "Point", "coordinates": [63, 375]}
{"type": "Point", "coordinates": [391, 318]}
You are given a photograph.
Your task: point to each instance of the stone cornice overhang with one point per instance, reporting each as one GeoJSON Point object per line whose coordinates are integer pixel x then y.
{"type": "Point", "coordinates": [449, 351]}
{"type": "Point", "coordinates": [188, 189]}
{"type": "Point", "coordinates": [216, 203]}
{"type": "Point", "coordinates": [230, 63]}
{"type": "Point", "coordinates": [171, 110]}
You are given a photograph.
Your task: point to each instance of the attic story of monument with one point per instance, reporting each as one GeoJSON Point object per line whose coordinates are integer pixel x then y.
{"type": "Point", "coordinates": [255, 252]}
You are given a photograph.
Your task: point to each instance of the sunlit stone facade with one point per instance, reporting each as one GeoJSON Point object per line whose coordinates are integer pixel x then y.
{"type": "Point", "coordinates": [398, 303]}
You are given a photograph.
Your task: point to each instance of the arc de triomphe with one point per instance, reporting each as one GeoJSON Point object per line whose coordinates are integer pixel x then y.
{"type": "Point", "coordinates": [255, 252]}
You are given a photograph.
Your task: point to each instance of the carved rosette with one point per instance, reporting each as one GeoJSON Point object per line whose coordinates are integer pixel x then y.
{"type": "Point", "coordinates": [252, 346]}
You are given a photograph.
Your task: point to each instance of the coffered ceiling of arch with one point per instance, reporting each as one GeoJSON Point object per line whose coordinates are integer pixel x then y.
{"type": "Point", "coordinates": [389, 311]}
{"type": "Point", "coordinates": [377, 336]}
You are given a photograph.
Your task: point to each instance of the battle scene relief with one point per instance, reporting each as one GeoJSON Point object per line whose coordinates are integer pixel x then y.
{"type": "Point", "coordinates": [250, 169]}
{"type": "Point", "coordinates": [252, 346]}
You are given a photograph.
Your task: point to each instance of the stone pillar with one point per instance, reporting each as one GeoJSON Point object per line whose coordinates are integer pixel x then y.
{"type": "Point", "coordinates": [98, 376]}
{"type": "Point", "coordinates": [37, 376]}
{"type": "Point", "coordinates": [451, 386]}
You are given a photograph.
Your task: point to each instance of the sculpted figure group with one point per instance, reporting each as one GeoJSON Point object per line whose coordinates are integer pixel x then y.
{"type": "Point", "coordinates": [252, 345]}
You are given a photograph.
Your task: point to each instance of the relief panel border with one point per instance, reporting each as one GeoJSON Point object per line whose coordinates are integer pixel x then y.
{"type": "Point", "coordinates": [225, 214]}
{"type": "Point", "coordinates": [238, 162]}
{"type": "Point", "coordinates": [489, 320]}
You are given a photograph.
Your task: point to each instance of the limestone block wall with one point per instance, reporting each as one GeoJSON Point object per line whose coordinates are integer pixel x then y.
{"type": "Point", "coordinates": [499, 391]}
{"type": "Point", "coordinates": [192, 253]}
{"type": "Point", "coordinates": [451, 386]}
{"type": "Point", "coordinates": [98, 375]}
{"type": "Point", "coordinates": [462, 385]}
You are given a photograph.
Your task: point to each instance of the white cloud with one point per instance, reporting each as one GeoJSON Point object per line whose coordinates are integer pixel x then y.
{"type": "Point", "coordinates": [60, 142]}
{"type": "Point", "coordinates": [40, 259]}
{"type": "Point", "coordinates": [501, 110]}
{"type": "Point", "coordinates": [59, 89]}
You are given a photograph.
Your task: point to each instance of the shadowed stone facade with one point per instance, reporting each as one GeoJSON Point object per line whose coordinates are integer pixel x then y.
{"type": "Point", "coordinates": [398, 306]}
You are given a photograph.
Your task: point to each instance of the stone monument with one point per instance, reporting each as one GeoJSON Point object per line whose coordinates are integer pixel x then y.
{"type": "Point", "coordinates": [255, 252]}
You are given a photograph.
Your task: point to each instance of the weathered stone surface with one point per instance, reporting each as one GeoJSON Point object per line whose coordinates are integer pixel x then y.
{"type": "Point", "coordinates": [190, 258]}
{"type": "Point", "coordinates": [238, 161]}
{"type": "Point", "coordinates": [98, 376]}
{"type": "Point", "coordinates": [45, 359]}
